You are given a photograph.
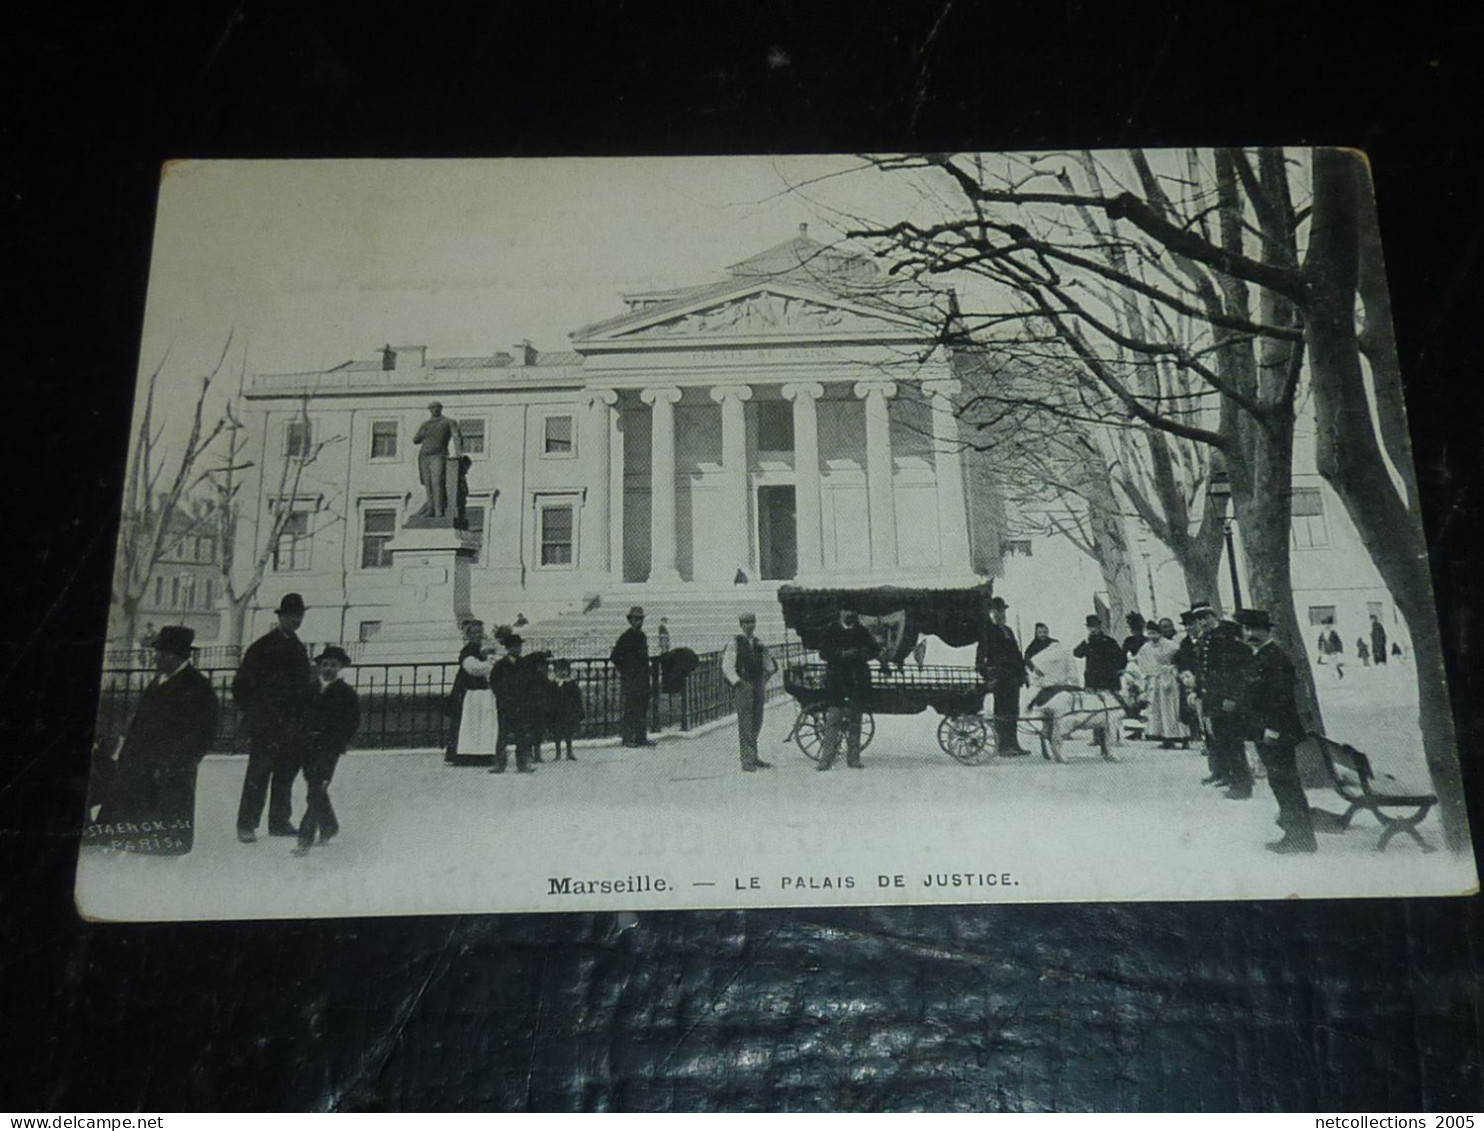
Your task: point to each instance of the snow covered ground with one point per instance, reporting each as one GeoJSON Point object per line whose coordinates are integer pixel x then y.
{"type": "Point", "coordinates": [420, 837]}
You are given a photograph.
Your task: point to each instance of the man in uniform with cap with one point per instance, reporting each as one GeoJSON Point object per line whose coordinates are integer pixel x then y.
{"type": "Point", "coordinates": [1222, 661]}
{"type": "Point", "coordinates": [331, 720]}
{"type": "Point", "coordinates": [630, 656]}
{"type": "Point", "coordinates": [1102, 656]}
{"type": "Point", "coordinates": [1271, 713]}
{"type": "Point", "coordinates": [433, 437]}
{"type": "Point", "coordinates": [273, 687]}
{"type": "Point", "coordinates": [151, 806]}
{"type": "Point", "coordinates": [1002, 667]}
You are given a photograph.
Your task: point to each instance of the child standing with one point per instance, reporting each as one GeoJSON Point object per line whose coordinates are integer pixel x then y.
{"type": "Point", "coordinates": [564, 715]}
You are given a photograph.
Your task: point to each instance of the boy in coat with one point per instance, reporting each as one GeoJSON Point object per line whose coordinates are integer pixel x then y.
{"type": "Point", "coordinates": [331, 720]}
{"type": "Point", "coordinates": [564, 709]}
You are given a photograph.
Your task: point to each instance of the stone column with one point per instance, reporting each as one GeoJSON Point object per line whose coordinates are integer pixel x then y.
{"type": "Point", "coordinates": [953, 519]}
{"type": "Point", "coordinates": [734, 463]}
{"type": "Point", "coordinates": [880, 489]}
{"type": "Point", "coordinates": [662, 544]}
{"type": "Point", "coordinates": [597, 435]}
{"type": "Point", "coordinates": [808, 503]}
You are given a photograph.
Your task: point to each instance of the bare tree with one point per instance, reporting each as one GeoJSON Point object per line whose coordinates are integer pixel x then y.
{"type": "Point", "coordinates": [1223, 252]}
{"type": "Point", "coordinates": [1363, 451]}
{"type": "Point", "coordinates": [1149, 287]}
{"type": "Point", "coordinates": [156, 489]}
{"type": "Point", "coordinates": [244, 567]}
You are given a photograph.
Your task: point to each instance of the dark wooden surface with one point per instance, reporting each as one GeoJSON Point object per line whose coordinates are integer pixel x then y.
{"type": "Point", "coordinates": [1370, 1005]}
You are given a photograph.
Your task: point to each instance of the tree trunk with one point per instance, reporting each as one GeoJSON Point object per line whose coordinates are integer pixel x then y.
{"type": "Point", "coordinates": [237, 620]}
{"type": "Point", "coordinates": [1350, 459]}
{"type": "Point", "coordinates": [1109, 541]}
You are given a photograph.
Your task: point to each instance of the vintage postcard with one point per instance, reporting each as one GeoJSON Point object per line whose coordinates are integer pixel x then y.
{"type": "Point", "coordinates": [743, 532]}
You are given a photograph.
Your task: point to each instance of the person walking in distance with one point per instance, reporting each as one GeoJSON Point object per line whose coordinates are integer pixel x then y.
{"type": "Point", "coordinates": [847, 651]}
{"type": "Point", "coordinates": [1378, 639]}
{"type": "Point", "coordinates": [330, 722]}
{"type": "Point", "coordinates": [272, 687]}
{"type": "Point", "coordinates": [630, 656]}
{"type": "Point", "coordinates": [747, 665]}
{"type": "Point", "coordinates": [1002, 667]}
{"type": "Point", "coordinates": [1270, 712]}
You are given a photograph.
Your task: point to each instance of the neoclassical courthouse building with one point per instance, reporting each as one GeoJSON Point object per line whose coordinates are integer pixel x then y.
{"type": "Point", "coordinates": [792, 420]}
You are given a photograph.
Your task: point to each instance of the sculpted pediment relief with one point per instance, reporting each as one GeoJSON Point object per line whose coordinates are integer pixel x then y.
{"type": "Point", "coordinates": [764, 313]}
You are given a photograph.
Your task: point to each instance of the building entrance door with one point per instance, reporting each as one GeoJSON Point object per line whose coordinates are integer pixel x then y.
{"type": "Point", "coordinates": [778, 533]}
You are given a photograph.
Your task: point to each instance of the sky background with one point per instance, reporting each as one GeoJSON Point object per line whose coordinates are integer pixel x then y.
{"type": "Point", "coordinates": [308, 264]}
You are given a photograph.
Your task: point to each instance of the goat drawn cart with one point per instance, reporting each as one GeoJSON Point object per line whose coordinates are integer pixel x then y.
{"type": "Point", "coordinates": [899, 619]}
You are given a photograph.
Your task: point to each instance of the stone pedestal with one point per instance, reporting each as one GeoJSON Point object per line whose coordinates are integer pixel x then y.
{"type": "Point", "coordinates": [431, 565]}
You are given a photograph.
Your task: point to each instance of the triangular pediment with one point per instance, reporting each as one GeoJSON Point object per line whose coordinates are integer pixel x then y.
{"type": "Point", "coordinates": [768, 310]}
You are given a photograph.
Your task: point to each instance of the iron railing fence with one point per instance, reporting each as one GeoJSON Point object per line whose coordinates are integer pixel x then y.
{"type": "Point", "coordinates": [409, 705]}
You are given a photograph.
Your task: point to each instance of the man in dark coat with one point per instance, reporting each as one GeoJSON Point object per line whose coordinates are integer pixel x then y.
{"type": "Point", "coordinates": [1271, 713]}
{"type": "Point", "coordinates": [1103, 658]}
{"type": "Point", "coordinates": [1222, 661]}
{"type": "Point", "coordinates": [847, 650]}
{"type": "Point", "coordinates": [151, 806]}
{"type": "Point", "coordinates": [330, 721]}
{"type": "Point", "coordinates": [1136, 637]}
{"type": "Point", "coordinates": [630, 656]}
{"type": "Point", "coordinates": [564, 709]}
{"type": "Point", "coordinates": [1185, 665]}
{"type": "Point", "coordinates": [273, 687]}
{"type": "Point", "coordinates": [514, 681]}
{"type": "Point", "coordinates": [1002, 667]}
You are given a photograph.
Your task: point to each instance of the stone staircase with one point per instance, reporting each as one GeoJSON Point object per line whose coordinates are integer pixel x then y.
{"type": "Point", "coordinates": [702, 622]}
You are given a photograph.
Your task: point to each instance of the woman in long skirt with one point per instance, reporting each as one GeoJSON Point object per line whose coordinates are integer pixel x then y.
{"type": "Point", "coordinates": [476, 730]}
{"type": "Point", "coordinates": [1156, 664]}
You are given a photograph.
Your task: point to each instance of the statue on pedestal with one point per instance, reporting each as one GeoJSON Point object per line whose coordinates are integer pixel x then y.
{"type": "Point", "coordinates": [435, 470]}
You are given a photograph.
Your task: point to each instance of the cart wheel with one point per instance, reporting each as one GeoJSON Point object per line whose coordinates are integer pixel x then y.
{"type": "Point", "coordinates": [809, 731]}
{"type": "Point", "coordinates": [965, 738]}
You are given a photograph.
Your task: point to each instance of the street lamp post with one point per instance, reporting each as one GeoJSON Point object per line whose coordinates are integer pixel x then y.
{"type": "Point", "coordinates": [1219, 488]}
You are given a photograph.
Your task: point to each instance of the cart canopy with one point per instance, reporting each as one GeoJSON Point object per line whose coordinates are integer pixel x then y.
{"type": "Point", "coordinates": [897, 614]}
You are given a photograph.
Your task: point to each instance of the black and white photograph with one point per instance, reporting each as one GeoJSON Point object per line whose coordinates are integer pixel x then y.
{"type": "Point", "coordinates": [628, 534]}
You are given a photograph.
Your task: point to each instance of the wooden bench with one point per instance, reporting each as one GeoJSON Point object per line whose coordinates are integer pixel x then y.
{"type": "Point", "coordinates": [1383, 796]}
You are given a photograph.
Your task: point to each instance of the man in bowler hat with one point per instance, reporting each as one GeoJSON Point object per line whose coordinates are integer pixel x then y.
{"type": "Point", "coordinates": [1002, 667]}
{"type": "Point", "coordinates": [1270, 711]}
{"type": "Point", "coordinates": [331, 720]}
{"type": "Point", "coordinates": [273, 686]}
{"type": "Point", "coordinates": [630, 656]}
{"type": "Point", "coordinates": [151, 806]}
{"type": "Point", "coordinates": [1103, 659]}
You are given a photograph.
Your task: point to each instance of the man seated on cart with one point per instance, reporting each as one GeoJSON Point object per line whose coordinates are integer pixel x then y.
{"type": "Point", "coordinates": [847, 651]}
